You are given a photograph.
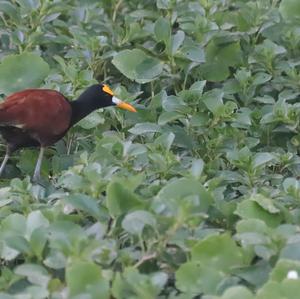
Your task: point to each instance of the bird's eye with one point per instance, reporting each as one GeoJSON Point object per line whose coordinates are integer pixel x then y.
{"type": "Point", "coordinates": [106, 89]}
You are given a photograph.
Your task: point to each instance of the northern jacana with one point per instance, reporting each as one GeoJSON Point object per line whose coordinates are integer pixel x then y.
{"type": "Point", "coordinates": [41, 117]}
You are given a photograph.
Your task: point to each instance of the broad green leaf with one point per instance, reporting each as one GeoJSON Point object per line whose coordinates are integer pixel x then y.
{"type": "Point", "coordinates": [261, 78]}
{"type": "Point", "coordinates": [55, 260]}
{"type": "Point", "coordinates": [193, 278]}
{"type": "Point", "coordinates": [213, 100]}
{"type": "Point", "coordinates": [266, 203]}
{"type": "Point", "coordinates": [174, 103]}
{"type": "Point", "coordinates": [176, 41]}
{"type": "Point", "coordinates": [5, 197]}
{"type": "Point", "coordinates": [91, 121]}
{"type": "Point", "coordinates": [85, 203]}
{"type": "Point", "coordinates": [135, 222]}
{"type": "Point", "coordinates": [9, 9]}
{"type": "Point", "coordinates": [219, 58]}
{"type": "Point", "coordinates": [252, 225]}
{"type": "Point", "coordinates": [218, 251]}
{"type": "Point", "coordinates": [86, 277]}
{"type": "Point", "coordinates": [17, 72]}
{"type": "Point", "coordinates": [288, 289]}
{"type": "Point", "coordinates": [35, 220]}
{"type": "Point", "coordinates": [212, 260]}
{"type": "Point", "coordinates": [290, 10]}
{"type": "Point", "coordinates": [249, 209]}
{"type": "Point", "coordinates": [194, 53]}
{"type": "Point", "coordinates": [256, 274]}
{"type": "Point", "coordinates": [14, 224]}
{"type": "Point", "coordinates": [197, 168]}
{"type": "Point", "coordinates": [237, 292]}
{"type": "Point", "coordinates": [167, 117]}
{"type": "Point", "coordinates": [291, 186]}
{"type": "Point", "coordinates": [121, 200]}
{"type": "Point", "coordinates": [162, 30]}
{"type": "Point", "coordinates": [165, 140]}
{"type": "Point", "coordinates": [169, 196]}
{"type": "Point", "coordinates": [29, 4]}
{"type": "Point", "coordinates": [18, 243]}
{"type": "Point", "coordinates": [138, 285]}
{"type": "Point", "coordinates": [144, 128]}
{"type": "Point", "coordinates": [291, 250]}
{"type": "Point", "coordinates": [262, 158]}
{"type": "Point", "coordinates": [162, 4]}
{"type": "Point", "coordinates": [38, 241]}
{"type": "Point", "coordinates": [198, 86]}
{"type": "Point", "coordinates": [138, 66]}
{"type": "Point", "coordinates": [35, 274]}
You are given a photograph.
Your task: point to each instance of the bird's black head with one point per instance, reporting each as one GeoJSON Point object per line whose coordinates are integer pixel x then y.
{"type": "Point", "coordinates": [100, 96]}
{"type": "Point", "coordinates": [95, 97]}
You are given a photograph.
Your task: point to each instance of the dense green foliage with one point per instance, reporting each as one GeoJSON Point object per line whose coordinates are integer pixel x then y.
{"type": "Point", "coordinates": [196, 195]}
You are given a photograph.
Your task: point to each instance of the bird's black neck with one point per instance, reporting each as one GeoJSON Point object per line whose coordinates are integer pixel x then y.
{"type": "Point", "coordinates": [91, 99]}
{"type": "Point", "coordinates": [80, 109]}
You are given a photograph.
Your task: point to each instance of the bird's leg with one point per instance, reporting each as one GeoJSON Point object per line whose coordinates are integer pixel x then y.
{"type": "Point", "coordinates": [37, 171]}
{"type": "Point", "coordinates": [6, 157]}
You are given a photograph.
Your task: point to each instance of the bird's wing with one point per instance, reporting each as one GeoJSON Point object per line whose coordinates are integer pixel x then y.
{"type": "Point", "coordinates": [38, 110]}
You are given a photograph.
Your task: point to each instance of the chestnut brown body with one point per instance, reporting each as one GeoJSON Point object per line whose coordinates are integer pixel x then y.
{"type": "Point", "coordinates": [34, 117]}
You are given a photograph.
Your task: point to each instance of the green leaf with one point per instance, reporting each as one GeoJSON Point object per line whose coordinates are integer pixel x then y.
{"type": "Point", "coordinates": [38, 241]}
{"type": "Point", "coordinates": [144, 128]}
{"type": "Point", "coordinates": [213, 100]}
{"type": "Point", "coordinates": [193, 53]}
{"type": "Point", "coordinates": [136, 65]}
{"type": "Point", "coordinates": [138, 285]}
{"type": "Point", "coordinates": [91, 121]}
{"type": "Point", "coordinates": [14, 224]}
{"type": "Point", "coordinates": [262, 159]}
{"type": "Point", "coordinates": [219, 58]}
{"type": "Point", "coordinates": [288, 289]}
{"type": "Point", "coordinates": [162, 30]}
{"type": "Point", "coordinates": [35, 220]}
{"type": "Point", "coordinates": [291, 250]}
{"type": "Point", "coordinates": [176, 41]}
{"type": "Point", "coordinates": [261, 78]}
{"type": "Point", "coordinates": [135, 222]}
{"type": "Point", "coordinates": [169, 196]}
{"type": "Point", "coordinates": [18, 243]}
{"type": "Point", "coordinates": [290, 10]}
{"type": "Point", "coordinates": [266, 203]}
{"type": "Point", "coordinates": [192, 278]}
{"type": "Point", "coordinates": [120, 199]}
{"type": "Point", "coordinates": [35, 274]}
{"type": "Point", "coordinates": [84, 203]}
{"type": "Point", "coordinates": [9, 9]}
{"type": "Point", "coordinates": [165, 140]}
{"type": "Point", "coordinates": [212, 260]}
{"type": "Point", "coordinates": [291, 186]}
{"type": "Point", "coordinates": [162, 4]}
{"type": "Point", "coordinates": [17, 72]}
{"type": "Point", "coordinates": [249, 209]}
{"type": "Point", "coordinates": [218, 251]}
{"type": "Point", "coordinates": [167, 117]}
{"type": "Point", "coordinates": [197, 168]}
{"type": "Point", "coordinates": [86, 277]}
{"type": "Point", "coordinates": [237, 292]}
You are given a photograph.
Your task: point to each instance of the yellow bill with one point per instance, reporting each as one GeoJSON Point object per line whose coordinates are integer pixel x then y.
{"type": "Point", "coordinates": [123, 105]}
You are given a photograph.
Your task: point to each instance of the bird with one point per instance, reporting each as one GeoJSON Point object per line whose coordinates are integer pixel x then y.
{"type": "Point", "coordinates": [41, 117]}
